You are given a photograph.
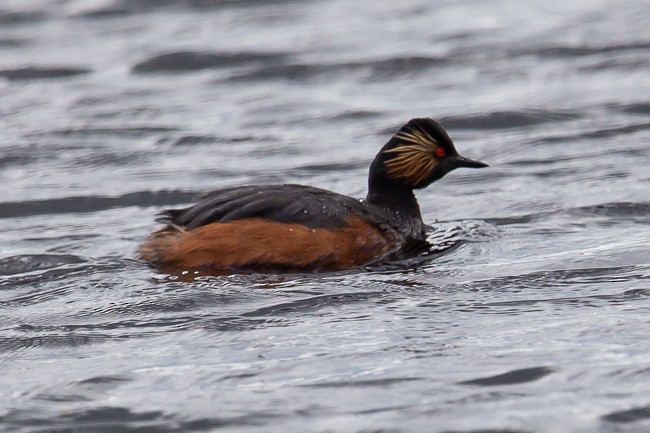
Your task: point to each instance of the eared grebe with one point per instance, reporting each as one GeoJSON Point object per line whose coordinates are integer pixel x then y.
{"type": "Point", "coordinates": [295, 228]}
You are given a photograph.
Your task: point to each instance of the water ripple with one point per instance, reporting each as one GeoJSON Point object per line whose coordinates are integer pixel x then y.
{"type": "Point", "coordinates": [187, 61]}
{"type": "Point", "coordinates": [536, 284]}
{"type": "Point", "coordinates": [40, 73]}
{"type": "Point", "coordinates": [507, 119]}
{"type": "Point", "coordinates": [512, 377]}
{"type": "Point", "coordinates": [94, 203]}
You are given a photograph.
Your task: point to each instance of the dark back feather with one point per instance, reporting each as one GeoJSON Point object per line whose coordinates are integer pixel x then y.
{"type": "Point", "coordinates": [312, 207]}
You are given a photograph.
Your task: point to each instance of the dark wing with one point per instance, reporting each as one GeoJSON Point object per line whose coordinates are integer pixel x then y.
{"type": "Point", "coordinates": [312, 207]}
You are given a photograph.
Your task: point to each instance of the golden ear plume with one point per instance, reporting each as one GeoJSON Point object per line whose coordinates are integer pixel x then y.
{"type": "Point", "coordinates": [415, 159]}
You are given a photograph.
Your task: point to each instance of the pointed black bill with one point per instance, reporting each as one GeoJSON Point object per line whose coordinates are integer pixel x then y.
{"type": "Point", "coordinates": [461, 161]}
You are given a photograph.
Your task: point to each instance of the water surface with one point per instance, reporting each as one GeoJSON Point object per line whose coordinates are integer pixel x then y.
{"type": "Point", "coordinates": [537, 321]}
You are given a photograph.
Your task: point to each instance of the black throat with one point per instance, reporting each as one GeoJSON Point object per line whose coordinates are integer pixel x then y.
{"type": "Point", "coordinates": [400, 206]}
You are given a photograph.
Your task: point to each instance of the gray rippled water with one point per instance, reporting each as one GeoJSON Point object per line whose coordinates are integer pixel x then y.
{"type": "Point", "coordinates": [535, 321]}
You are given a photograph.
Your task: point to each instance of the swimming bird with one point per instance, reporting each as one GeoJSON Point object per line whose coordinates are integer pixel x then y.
{"type": "Point", "coordinates": [296, 228]}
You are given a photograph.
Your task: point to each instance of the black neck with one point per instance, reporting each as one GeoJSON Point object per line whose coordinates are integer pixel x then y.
{"type": "Point", "coordinates": [398, 201]}
{"type": "Point", "coordinates": [395, 199]}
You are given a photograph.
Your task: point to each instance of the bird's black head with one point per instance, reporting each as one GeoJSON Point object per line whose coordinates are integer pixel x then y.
{"type": "Point", "coordinates": [419, 153]}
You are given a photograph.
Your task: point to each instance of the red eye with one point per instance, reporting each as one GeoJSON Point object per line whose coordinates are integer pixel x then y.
{"type": "Point", "coordinates": [440, 152]}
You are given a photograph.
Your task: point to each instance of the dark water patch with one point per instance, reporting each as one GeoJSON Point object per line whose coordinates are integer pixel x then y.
{"type": "Point", "coordinates": [145, 327]}
{"type": "Point", "coordinates": [88, 271]}
{"type": "Point", "coordinates": [462, 35]}
{"type": "Point", "coordinates": [378, 69]}
{"type": "Point", "coordinates": [16, 281]}
{"type": "Point", "coordinates": [71, 335]}
{"type": "Point", "coordinates": [621, 212]}
{"type": "Point", "coordinates": [194, 140]}
{"type": "Point", "coordinates": [48, 148]}
{"type": "Point", "coordinates": [111, 11]}
{"type": "Point", "coordinates": [640, 108]}
{"type": "Point", "coordinates": [66, 238]}
{"type": "Point", "coordinates": [41, 73]}
{"type": "Point", "coordinates": [8, 160]}
{"type": "Point", "coordinates": [292, 72]}
{"type": "Point", "coordinates": [519, 306]}
{"type": "Point", "coordinates": [138, 306]}
{"type": "Point", "coordinates": [13, 18]}
{"type": "Point", "coordinates": [400, 66]}
{"type": "Point", "coordinates": [310, 304]}
{"type": "Point", "coordinates": [61, 398]}
{"type": "Point", "coordinates": [512, 377]}
{"type": "Point", "coordinates": [82, 391]}
{"type": "Point", "coordinates": [625, 64]}
{"type": "Point", "coordinates": [560, 279]}
{"type": "Point", "coordinates": [629, 416]}
{"type": "Point", "coordinates": [110, 419]}
{"type": "Point", "coordinates": [638, 293]}
{"type": "Point", "coordinates": [533, 162]}
{"type": "Point", "coordinates": [188, 61]}
{"type": "Point", "coordinates": [631, 374]}
{"type": "Point", "coordinates": [30, 295]}
{"type": "Point", "coordinates": [612, 132]}
{"type": "Point", "coordinates": [384, 409]}
{"type": "Point", "coordinates": [362, 383]}
{"type": "Point", "coordinates": [53, 340]}
{"type": "Point", "coordinates": [131, 113]}
{"type": "Point", "coordinates": [251, 419]}
{"type": "Point", "coordinates": [581, 51]}
{"type": "Point", "coordinates": [105, 160]}
{"type": "Point", "coordinates": [128, 132]}
{"type": "Point", "coordinates": [198, 140]}
{"type": "Point", "coordinates": [599, 134]}
{"type": "Point", "coordinates": [357, 115]}
{"type": "Point", "coordinates": [105, 416]}
{"type": "Point", "coordinates": [336, 167]}
{"type": "Point", "coordinates": [102, 381]}
{"type": "Point", "coordinates": [638, 211]}
{"type": "Point", "coordinates": [513, 220]}
{"type": "Point", "coordinates": [94, 203]}
{"type": "Point", "coordinates": [507, 119]}
{"type": "Point", "coordinates": [12, 42]}
{"type": "Point", "coordinates": [553, 173]}
{"type": "Point", "coordinates": [149, 325]}
{"type": "Point", "coordinates": [170, 302]}
{"type": "Point", "coordinates": [239, 376]}
{"type": "Point", "coordinates": [36, 262]}
{"type": "Point", "coordinates": [490, 430]}
{"type": "Point", "coordinates": [239, 324]}
{"type": "Point", "coordinates": [130, 7]}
